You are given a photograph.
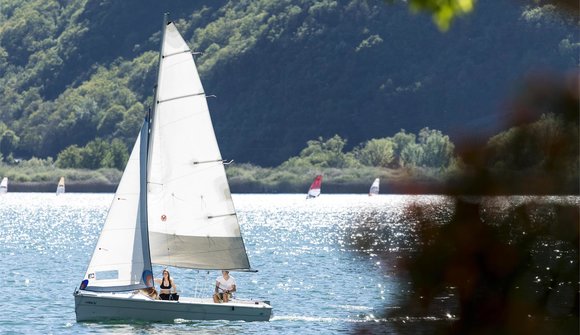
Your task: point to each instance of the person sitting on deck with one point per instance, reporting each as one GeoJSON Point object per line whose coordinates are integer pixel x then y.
{"type": "Point", "coordinates": [167, 287]}
{"type": "Point", "coordinates": [225, 285]}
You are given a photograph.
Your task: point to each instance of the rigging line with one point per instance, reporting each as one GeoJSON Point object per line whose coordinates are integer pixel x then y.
{"type": "Point", "coordinates": [181, 97]}
{"type": "Point", "coordinates": [176, 53]}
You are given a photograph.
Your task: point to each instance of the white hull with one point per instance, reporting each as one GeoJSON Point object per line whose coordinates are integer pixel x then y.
{"type": "Point", "coordinates": [92, 306]}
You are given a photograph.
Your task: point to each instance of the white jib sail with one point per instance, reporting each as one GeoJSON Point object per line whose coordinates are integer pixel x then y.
{"type": "Point", "coordinates": [374, 190]}
{"type": "Point", "coordinates": [60, 186]}
{"type": "Point", "coordinates": [118, 262]}
{"type": "Point", "coordinates": [192, 219]}
{"type": "Point", "coordinates": [4, 185]}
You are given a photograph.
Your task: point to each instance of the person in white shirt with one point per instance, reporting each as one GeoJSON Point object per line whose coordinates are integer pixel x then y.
{"type": "Point", "coordinates": [225, 285]}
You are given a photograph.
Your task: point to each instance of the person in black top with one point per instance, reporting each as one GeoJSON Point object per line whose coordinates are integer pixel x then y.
{"type": "Point", "coordinates": [167, 287]}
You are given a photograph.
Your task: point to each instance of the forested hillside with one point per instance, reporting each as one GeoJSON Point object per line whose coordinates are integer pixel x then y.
{"type": "Point", "coordinates": [81, 73]}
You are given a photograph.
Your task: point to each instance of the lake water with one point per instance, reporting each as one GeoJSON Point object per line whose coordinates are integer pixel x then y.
{"type": "Point", "coordinates": [312, 266]}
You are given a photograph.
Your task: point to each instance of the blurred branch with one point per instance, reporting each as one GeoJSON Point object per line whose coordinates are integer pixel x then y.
{"type": "Point", "coordinates": [445, 11]}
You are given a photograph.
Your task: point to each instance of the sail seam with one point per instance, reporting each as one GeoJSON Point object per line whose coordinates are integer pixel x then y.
{"type": "Point", "coordinates": [181, 97]}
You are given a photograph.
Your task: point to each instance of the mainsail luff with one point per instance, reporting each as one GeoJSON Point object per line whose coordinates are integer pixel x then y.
{"type": "Point", "coordinates": [192, 219]}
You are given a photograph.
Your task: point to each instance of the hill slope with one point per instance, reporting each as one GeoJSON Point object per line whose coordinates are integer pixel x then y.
{"type": "Point", "coordinates": [283, 72]}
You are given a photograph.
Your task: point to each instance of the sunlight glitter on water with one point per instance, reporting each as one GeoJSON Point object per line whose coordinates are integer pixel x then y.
{"type": "Point", "coordinates": [326, 264]}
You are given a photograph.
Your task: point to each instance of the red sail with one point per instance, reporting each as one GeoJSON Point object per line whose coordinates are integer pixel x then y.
{"type": "Point", "coordinates": [317, 183]}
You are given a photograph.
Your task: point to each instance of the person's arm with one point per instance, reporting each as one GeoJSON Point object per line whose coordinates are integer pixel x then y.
{"type": "Point", "coordinates": [233, 289]}
{"type": "Point", "coordinates": [217, 286]}
{"type": "Point", "coordinates": [173, 287]}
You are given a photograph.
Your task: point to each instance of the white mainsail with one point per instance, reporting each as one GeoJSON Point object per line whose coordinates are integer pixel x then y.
{"type": "Point", "coordinates": [374, 190]}
{"type": "Point", "coordinates": [192, 219]}
{"type": "Point", "coordinates": [120, 260]}
{"type": "Point", "coordinates": [4, 185]}
{"type": "Point", "coordinates": [60, 186]}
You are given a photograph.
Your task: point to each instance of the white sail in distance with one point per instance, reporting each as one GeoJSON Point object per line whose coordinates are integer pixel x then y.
{"type": "Point", "coordinates": [4, 185]}
{"type": "Point", "coordinates": [60, 187]}
{"type": "Point", "coordinates": [374, 190]}
{"type": "Point", "coordinates": [192, 219]}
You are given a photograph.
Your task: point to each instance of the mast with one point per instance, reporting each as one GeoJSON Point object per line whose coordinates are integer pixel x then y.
{"type": "Point", "coordinates": [145, 156]}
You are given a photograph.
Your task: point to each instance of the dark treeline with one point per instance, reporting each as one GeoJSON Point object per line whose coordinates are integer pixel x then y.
{"type": "Point", "coordinates": [514, 161]}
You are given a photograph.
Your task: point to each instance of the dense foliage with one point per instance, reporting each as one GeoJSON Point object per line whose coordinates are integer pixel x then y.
{"type": "Point", "coordinates": [284, 72]}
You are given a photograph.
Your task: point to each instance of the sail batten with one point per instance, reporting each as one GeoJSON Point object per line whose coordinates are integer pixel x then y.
{"type": "Point", "coordinates": [181, 97]}
{"type": "Point", "coordinates": [177, 53]}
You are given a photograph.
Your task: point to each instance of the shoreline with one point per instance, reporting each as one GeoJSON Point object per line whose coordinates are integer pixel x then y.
{"type": "Point", "coordinates": [284, 188]}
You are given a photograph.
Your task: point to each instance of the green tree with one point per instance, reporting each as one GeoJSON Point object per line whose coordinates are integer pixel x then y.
{"type": "Point", "coordinates": [112, 116]}
{"type": "Point", "coordinates": [437, 148]}
{"type": "Point", "coordinates": [70, 158]}
{"type": "Point", "coordinates": [118, 155]}
{"type": "Point", "coordinates": [321, 153]}
{"type": "Point", "coordinates": [412, 155]}
{"type": "Point", "coordinates": [8, 140]}
{"type": "Point", "coordinates": [96, 154]}
{"type": "Point", "coordinates": [377, 152]}
{"type": "Point", "coordinates": [401, 141]}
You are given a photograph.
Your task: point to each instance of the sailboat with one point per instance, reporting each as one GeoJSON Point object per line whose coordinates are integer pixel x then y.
{"type": "Point", "coordinates": [60, 186]}
{"type": "Point", "coordinates": [374, 190]}
{"type": "Point", "coordinates": [4, 185]}
{"type": "Point", "coordinates": [172, 207]}
{"type": "Point", "coordinates": [314, 190]}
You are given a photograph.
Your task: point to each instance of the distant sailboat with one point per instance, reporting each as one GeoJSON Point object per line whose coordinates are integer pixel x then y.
{"type": "Point", "coordinates": [374, 188]}
{"type": "Point", "coordinates": [4, 185]}
{"type": "Point", "coordinates": [60, 187]}
{"type": "Point", "coordinates": [172, 207]}
{"type": "Point", "coordinates": [314, 190]}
